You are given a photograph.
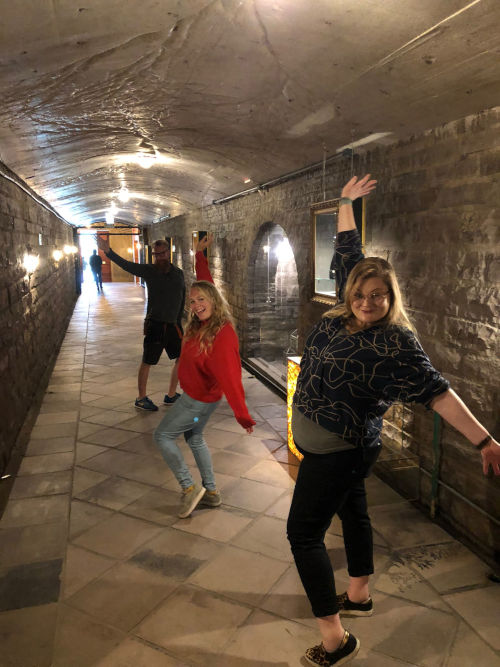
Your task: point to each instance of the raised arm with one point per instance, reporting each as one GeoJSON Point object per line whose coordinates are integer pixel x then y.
{"type": "Point", "coordinates": [352, 190]}
{"type": "Point", "coordinates": [131, 267]}
{"type": "Point", "coordinates": [201, 262]}
{"type": "Point", "coordinates": [453, 410]}
{"type": "Point", "coordinates": [348, 246]}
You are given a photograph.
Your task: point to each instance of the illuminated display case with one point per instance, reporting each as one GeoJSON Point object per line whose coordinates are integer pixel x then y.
{"type": "Point", "coordinates": [293, 369]}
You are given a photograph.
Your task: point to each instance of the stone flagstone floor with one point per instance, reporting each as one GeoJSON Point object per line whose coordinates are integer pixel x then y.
{"type": "Point", "coordinates": [96, 568]}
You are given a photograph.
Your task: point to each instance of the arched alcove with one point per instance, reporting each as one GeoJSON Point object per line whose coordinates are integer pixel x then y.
{"type": "Point", "coordinates": [273, 303]}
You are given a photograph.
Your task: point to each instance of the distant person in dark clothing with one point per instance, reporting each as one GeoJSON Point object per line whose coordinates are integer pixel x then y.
{"type": "Point", "coordinates": [96, 267]}
{"type": "Point", "coordinates": [163, 323]}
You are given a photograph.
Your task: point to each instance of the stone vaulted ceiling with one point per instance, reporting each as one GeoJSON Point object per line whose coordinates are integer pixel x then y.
{"type": "Point", "coordinates": [211, 93]}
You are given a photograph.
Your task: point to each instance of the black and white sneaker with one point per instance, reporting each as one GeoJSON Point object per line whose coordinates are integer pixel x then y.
{"type": "Point", "coordinates": [318, 655]}
{"type": "Point", "coordinates": [348, 608]}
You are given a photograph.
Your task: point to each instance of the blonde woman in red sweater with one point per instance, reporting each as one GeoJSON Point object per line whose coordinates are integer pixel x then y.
{"type": "Point", "coordinates": [209, 367]}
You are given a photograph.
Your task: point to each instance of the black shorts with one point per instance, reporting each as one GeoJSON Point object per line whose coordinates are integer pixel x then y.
{"type": "Point", "coordinates": [159, 336]}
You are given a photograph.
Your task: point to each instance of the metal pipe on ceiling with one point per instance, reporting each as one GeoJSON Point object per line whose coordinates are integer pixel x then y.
{"type": "Point", "coordinates": [348, 152]}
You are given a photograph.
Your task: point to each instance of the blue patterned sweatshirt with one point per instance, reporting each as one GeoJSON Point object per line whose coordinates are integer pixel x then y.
{"type": "Point", "coordinates": [348, 381]}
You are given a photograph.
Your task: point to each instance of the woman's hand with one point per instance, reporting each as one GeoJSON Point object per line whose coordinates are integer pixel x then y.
{"type": "Point", "coordinates": [249, 430]}
{"type": "Point", "coordinates": [491, 457]}
{"type": "Point", "coordinates": [204, 243]}
{"type": "Point", "coordinates": [358, 188]}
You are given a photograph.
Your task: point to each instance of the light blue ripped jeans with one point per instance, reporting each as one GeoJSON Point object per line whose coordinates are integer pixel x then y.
{"type": "Point", "coordinates": [186, 416]}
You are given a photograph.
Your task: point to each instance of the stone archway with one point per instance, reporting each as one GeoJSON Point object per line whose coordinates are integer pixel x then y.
{"type": "Point", "coordinates": [273, 303]}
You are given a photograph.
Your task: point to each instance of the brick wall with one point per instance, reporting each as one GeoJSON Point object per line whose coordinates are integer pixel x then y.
{"type": "Point", "coordinates": [435, 216]}
{"type": "Point", "coordinates": [34, 311]}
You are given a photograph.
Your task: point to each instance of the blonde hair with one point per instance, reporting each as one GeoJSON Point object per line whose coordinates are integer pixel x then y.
{"type": "Point", "coordinates": [373, 267]}
{"type": "Point", "coordinates": [206, 332]}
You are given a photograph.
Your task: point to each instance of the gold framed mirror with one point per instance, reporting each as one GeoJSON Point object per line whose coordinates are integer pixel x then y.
{"type": "Point", "coordinates": [324, 232]}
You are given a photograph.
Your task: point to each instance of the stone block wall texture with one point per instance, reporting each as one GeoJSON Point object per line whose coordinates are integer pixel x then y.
{"type": "Point", "coordinates": [436, 216]}
{"type": "Point", "coordinates": [34, 310]}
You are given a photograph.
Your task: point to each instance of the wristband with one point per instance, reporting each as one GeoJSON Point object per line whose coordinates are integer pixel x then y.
{"type": "Point", "coordinates": [345, 200]}
{"type": "Point", "coordinates": [484, 442]}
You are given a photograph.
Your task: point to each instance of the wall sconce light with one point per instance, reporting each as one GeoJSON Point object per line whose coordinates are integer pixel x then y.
{"type": "Point", "coordinates": [57, 255]}
{"type": "Point", "coordinates": [139, 246]}
{"type": "Point", "coordinates": [130, 251]}
{"type": "Point", "coordinates": [191, 252]}
{"type": "Point", "coordinates": [173, 248]}
{"type": "Point", "coordinates": [266, 249]}
{"type": "Point", "coordinates": [30, 262]}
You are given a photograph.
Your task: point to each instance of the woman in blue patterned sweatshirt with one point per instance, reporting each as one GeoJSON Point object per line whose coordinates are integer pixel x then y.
{"type": "Point", "coordinates": [361, 358]}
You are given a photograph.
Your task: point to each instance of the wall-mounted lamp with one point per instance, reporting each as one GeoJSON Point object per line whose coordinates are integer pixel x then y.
{"type": "Point", "coordinates": [130, 251]}
{"type": "Point", "coordinates": [173, 248]}
{"type": "Point", "coordinates": [266, 249]}
{"type": "Point", "coordinates": [57, 255]}
{"type": "Point", "coordinates": [69, 249]}
{"type": "Point", "coordinates": [30, 262]}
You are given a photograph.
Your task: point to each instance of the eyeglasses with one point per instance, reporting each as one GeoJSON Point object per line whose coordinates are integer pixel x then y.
{"type": "Point", "coordinates": [374, 297]}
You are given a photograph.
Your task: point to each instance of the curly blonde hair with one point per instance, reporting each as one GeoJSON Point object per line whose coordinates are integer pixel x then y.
{"type": "Point", "coordinates": [207, 331]}
{"type": "Point", "coordinates": [373, 267]}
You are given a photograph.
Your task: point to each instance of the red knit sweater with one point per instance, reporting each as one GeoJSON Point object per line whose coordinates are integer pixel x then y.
{"type": "Point", "coordinates": [206, 376]}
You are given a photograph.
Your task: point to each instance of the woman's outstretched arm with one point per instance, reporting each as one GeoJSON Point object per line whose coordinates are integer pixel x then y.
{"type": "Point", "coordinates": [352, 190]}
{"type": "Point", "coordinates": [201, 262]}
{"type": "Point", "coordinates": [453, 410]}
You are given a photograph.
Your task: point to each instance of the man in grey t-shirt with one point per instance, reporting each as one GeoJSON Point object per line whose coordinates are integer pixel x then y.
{"type": "Point", "coordinates": [163, 323]}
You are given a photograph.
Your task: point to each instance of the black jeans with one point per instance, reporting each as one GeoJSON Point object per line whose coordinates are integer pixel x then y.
{"type": "Point", "coordinates": [329, 484]}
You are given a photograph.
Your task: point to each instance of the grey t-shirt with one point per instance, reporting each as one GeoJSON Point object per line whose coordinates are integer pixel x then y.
{"type": "Point", "coordinates": [315, 439]}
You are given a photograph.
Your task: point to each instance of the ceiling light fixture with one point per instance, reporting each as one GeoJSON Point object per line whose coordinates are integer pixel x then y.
{"type": "Point", "coordinates": [146, 160]}
{"type": "Point", "coordinates": [124, 194]}
{"type": "Point", "coordinates": [369, 139]}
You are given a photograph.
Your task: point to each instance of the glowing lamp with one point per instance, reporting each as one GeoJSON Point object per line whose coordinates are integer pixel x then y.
{"type": "Point", "coordinates": [124, 195]}
{"type": "Point", "coordinates": [30, 262]}
{"type": "Point", "coordinates": [293, 369]}
{"type": "Point", "coordinates": [145, 160]}
{"type": "Point", "coordinates": [57, 255]}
